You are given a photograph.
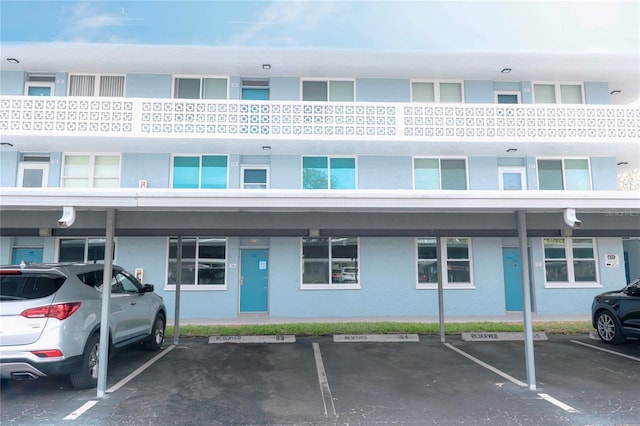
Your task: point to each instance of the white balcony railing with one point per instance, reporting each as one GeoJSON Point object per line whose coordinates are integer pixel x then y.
{"type": "Point", "coordinates": [133, 117]}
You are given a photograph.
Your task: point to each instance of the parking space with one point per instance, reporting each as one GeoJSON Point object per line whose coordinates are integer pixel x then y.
{"type": "Point", "coordinates": [319, 381]}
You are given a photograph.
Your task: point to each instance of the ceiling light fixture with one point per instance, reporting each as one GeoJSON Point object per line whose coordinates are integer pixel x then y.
{"type": "Point", "coordinates": [266, 148]}
{"type": "Point", "coordinates": [6, 144]}
{"type": "Point", "coordinates": [512, 149]}
{"type": "Point", "coordinates": [13, 61]}
{"type": "Point", "coordinates": [615, 92]}
{"type": "Point", "coordinates": [266, 66]}
{"type": "Point", "coordinates": [505, 70]}
{"type": "Point", "coordinates": [623, 163]}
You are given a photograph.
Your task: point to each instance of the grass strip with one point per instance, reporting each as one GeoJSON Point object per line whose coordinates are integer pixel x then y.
{"type": "Point", "coordinates": [326, 329]}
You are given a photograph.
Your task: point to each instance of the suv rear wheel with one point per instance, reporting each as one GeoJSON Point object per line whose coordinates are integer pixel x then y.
{"type": "Point", "coordinates": [157, 334]}
{"type": "Point", "coordinates": [87, 377]}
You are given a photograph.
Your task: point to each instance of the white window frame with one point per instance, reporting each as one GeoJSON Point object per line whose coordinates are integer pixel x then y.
{"type": "Point", "coordinates": [255, 167]}
{"type": "Point", "coordinates": [200, 77]}
{"type": "Point", "coordinates": [507, 92]}
{"type": "Point", "coordinates": [30, 84]}
{"type": "Point", "coordinates": [328, 157]}
{"type": "Point", "coordinates": [466, 172]}
{"type": "Point", "coordinates": [96, 83]}
{"type": "Point", "coordinates": [445, 279]}
{"type": "Point", "coordinates": [198, 287]}
{"type": "Point", "coordinates": [436, 89]}
{"type": "Point", "coordinates": [330, 286]}
{"type": "Point", "coordinates": [172, 165]}
{"type": "Point", "coordinates": [564, 177]}
{"type": "Point", "coordinates": [28, 165]}
{"type": "Point", "coordinates": [556, 85]}
{"type": "Point", "coordinates": [328, 81]}
{"type": "Point", "coordinates": [86, 247]}
{"type": "Point", "coordinates": [568, 250]}
{"type": "Point", "coordinates": [92, 168]}
{"type": "Point", "coordinates": [515, 169]}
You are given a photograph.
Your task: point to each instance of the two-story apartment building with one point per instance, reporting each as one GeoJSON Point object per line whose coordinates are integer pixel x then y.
{"type": "Point", "coordinates": [325, 183]}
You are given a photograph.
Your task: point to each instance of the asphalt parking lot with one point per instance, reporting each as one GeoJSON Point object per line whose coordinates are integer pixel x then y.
{"type": "Point", "coordinates": [580, 381]}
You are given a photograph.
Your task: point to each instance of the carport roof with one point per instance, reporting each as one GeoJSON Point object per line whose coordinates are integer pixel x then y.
{"type": "Point", "coordinates": [292, 200]}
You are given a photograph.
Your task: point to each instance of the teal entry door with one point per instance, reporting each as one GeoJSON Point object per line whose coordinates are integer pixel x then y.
{"type": "Point", "coordinates": [512, 269]}
{"type": "Point", "coordinates": [254, 280]}
{"type": "Point", "coordinates": [26, 255]}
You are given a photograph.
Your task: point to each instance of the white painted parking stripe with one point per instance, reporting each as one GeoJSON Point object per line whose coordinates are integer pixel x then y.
{"type": "Point", "coordinates": [324, 383]}
{"type": "Point", "coordinates": [606, 350]}
{"type": "Point", "coordinates": [118, 385]}
{"type": "Point", "coordinates": [544, 396]}
{"type": "Point", "coordinates": [487, 366]}
{"type": "Point", "coordinates": [139, 370]}
{"type": "Point", "coordinates": [81, 410]}
{"type": "Point", "coordinates": [557, 403]}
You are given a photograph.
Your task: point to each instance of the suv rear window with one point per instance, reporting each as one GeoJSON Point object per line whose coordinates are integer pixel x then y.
{"type": "Point", "coordinates": [29, 285]}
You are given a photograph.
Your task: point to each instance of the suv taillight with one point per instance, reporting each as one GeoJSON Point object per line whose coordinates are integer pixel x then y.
{"type": "Point", "coordinates": [60, 311]}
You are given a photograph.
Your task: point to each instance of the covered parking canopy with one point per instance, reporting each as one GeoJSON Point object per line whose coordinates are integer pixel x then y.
{"type": "Point", "coordinates": [272, 212]}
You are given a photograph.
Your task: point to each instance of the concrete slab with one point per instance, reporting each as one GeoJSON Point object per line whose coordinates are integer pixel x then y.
{"type": "Point", "coordinates": [253, 339]}
{"type": "Point", "coordinates": [372, 338]}
{"type": "Point", "coordinates": [503, 336]}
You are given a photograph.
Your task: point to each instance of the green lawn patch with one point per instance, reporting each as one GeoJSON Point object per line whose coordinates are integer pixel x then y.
{"type": "Point", "coordinates": [326, 329]}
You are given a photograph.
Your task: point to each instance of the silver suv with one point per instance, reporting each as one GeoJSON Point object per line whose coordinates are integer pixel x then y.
{"type": "Point", "coordinates": [50, 319]}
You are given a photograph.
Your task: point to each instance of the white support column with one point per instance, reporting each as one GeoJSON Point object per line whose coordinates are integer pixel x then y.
{"type": "Point", "coordinates": [176, 319]}
{"type": "Point", "coordinates": [441, 272]}
{"type": "Point", "coordinates": [103, 355]}
{"type": "Point", "coordinates": [526, 300]}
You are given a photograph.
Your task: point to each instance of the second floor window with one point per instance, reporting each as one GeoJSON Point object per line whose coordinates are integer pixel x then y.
{"type": "Point", "coordinates": [440, 173]}
{"type": "Point", "coordinates": [570, 174]}
{"type": "Point", "coordinates": [548, 93]}
{"type": "Point", "coordinates": [200, 88]}
{"type": "Point", "coordinates": [427, 91]}
{"type": "Point", "coordinates": [332, 90]}
{"type": "Point", "coordinates": [91, 171]}
{"type": "Point", "coordinates": [96, 85]}
{"type": "Point", "coordinates": [200, 171]}
{"type": "Point", "coordinates": [328, 173]}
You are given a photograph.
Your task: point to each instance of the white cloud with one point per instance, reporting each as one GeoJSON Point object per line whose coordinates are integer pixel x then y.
{"type": "Point", "coordinates": [89, 22]}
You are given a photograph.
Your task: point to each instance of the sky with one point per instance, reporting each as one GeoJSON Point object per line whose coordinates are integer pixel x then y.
{"type": "Point", "coordinates": [610, 26]}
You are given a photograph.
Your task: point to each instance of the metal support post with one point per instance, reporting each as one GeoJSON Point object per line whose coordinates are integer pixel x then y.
{"type": "Point", "coordinates": [526, 300]}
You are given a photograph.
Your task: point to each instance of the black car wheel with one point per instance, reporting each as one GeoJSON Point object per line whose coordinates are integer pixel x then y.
{"type": "Point", "coordinates": [87, 377]}
{"type": "Point", "coordinates": [608, 329]}
{"type": "Point", "coordinates": [157, 334]}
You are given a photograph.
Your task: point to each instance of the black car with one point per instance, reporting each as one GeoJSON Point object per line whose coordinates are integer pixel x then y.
{"type": "Point", "coordinates": [616, 314]}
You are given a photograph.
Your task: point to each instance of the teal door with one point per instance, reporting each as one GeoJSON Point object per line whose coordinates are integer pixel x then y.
{"type": "Point", "coordinates": [512, 269]}
{"type": "Point", "coordinates": [26, 255]}
{"type": "Point", "coordinates": [254, 280]}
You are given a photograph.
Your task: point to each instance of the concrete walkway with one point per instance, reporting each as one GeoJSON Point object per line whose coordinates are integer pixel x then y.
{"type": "Point", "coordinates": [246, 319]}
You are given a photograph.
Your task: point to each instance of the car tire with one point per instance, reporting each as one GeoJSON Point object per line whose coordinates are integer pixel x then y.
{"type": "Point", "coordinates": [608, 328]}
{"type": "Point", "coordinates": [156, 339]}
{"type": "Point", "coordinates": [87, 377]}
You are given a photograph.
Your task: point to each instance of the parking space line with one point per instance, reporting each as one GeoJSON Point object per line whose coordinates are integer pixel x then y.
{"type": "Point", "coordinates": [81, 410]}
{"type": "Point", "coordinates": [139, 370]}
{"type": "Point", "coordinates": [487, 366]}
{"type": "Point", "coordinates": [512, 379]}
{"type": "Point", "coordinates": [324, 383]}
{"type": "Point", "coordinates": [606, 350]}
{"type": "Point", "coordinates": [118, 385]}
{"type": "Point", "coordinates": [557, 403]}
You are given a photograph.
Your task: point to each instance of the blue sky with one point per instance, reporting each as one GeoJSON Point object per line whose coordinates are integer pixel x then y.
{"type": "Point", "coordinates": [475, 25]}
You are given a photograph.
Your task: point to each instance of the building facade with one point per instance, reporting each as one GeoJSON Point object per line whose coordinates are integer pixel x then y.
{"type": "Point", "coordinates": [299, 183]}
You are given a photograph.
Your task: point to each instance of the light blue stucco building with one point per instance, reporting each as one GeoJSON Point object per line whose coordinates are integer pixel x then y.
{"type": "Point", "coordinates": [324, 183]}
